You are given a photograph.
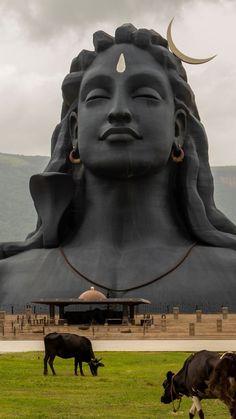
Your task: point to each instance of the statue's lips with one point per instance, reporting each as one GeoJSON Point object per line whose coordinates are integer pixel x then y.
{"type": "Point", "coordinates": [120, 134]}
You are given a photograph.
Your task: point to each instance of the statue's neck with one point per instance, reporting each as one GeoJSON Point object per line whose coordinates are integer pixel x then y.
{"type": "Point", "coordinates": [127, 213]}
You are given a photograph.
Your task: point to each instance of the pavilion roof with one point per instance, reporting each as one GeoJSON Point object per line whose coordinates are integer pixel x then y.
{"type": "Point", "coordinates": [71, 301]}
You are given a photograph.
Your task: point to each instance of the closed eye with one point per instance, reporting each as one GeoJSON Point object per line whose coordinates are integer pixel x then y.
{"type": "Point", "coordinates": [97, 94]}
{"type": "Point", "coordinates": [146, 93]}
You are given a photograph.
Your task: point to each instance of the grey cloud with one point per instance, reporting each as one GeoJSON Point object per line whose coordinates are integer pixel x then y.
{"type": "Point", "coordinates": [46, 18]}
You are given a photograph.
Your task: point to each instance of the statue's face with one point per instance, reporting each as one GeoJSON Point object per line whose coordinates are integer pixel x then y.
{"type": "Point", "coordinates": [126, 119]}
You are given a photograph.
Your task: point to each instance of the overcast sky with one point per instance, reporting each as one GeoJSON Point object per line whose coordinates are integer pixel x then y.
{"type": "Point", "coordinates": [39, 38]}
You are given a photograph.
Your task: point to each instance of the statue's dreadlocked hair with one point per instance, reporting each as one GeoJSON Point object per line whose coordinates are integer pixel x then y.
{"type": "Point", "coordinates": [146, 39]}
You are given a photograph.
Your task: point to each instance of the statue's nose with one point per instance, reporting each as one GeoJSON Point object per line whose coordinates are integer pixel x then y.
{"type": "Point", "coordinates": [119, 112]}
{"type": "Point", "coordinates": [122, 116]}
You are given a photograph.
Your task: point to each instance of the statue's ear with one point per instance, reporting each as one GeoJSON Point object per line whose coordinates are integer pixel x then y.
{"type": "Point", "coordinates": [180, 126]}
{"type": "Point", "coordinates": [73, 126]}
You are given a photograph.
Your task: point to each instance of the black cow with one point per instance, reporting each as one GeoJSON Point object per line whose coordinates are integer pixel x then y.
{"type": "Point", "coordinates": [204, 375]}
{"type": "Point", "coordinates": [67, 345]}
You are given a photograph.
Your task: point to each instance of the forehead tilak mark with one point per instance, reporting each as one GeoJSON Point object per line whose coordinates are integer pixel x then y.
{"type": "Point", "coordinates": [121, 65]}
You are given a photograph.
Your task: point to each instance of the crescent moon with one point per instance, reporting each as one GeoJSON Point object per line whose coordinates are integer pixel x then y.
{"type": "Point", "coordinates": [179, 54]}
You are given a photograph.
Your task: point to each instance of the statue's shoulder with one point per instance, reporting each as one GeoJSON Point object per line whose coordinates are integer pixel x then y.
{"type": "Point", "coordinates": [214, 257]}
{"type": "Point", "coordinates": [28, 260]}
{"type": "Point", "coordinates": [222, 252]}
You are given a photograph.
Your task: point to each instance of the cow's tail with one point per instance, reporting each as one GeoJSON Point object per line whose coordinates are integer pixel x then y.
{"type": "Point", "coordinates": [223, 379]}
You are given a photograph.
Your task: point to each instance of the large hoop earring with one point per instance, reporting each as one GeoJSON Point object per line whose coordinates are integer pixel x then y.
{"type": "Point", "coordinates": [72, 158]}
{"type": "Point", "coordinates": [177, 154]}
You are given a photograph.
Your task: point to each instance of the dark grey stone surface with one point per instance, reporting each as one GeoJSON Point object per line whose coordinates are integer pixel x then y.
{"type": "Point", "coordinates": [128, 214]}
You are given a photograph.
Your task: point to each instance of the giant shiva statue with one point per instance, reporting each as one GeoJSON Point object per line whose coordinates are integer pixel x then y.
{"type": "Point", "coordinates": [126, 201]}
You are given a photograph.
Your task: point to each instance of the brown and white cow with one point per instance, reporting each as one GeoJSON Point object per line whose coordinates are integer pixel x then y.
{"type": "Point", "coordinates": [204, 375]}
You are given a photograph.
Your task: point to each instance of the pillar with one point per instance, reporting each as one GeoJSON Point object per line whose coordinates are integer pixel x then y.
{"type": "Point", "coordinates": [163, 323]}
{"type": "Point", "coordinates": [52, 313]}
{"type": "Point", "coordinates": [191, 329]}
{"type": "Point", "coordinates": [176, 312]}
{"type": "Point", "coordinates": [199, 315]}
{"type": "Point", "coordinates": [125, 319]}
{"type": "Point", "coordinates": [219, 325]}
{"type": "Point", "coordinates": [61, 314]}
{"type": "Point", "coordinates": [225, 312]}
{"type": "Point", "coordinates": [131, 314]}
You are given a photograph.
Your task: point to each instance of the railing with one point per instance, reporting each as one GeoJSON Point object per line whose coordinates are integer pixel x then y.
{"type": "Point", "coordinates": [175, 325]}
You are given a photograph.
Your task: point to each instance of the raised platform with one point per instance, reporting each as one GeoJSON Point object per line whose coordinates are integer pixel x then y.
{"type": "Point", "coordinates": [155, 327]}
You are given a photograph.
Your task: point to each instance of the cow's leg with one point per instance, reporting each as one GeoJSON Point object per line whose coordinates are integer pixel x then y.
{"type": "Point", "coordinates": [76, 365]}
{"type": "Point", "coordinates": [51, 359]}
{"type": "Point", "coordinates": [192, 411]}
{"type": "Point", "coordinates": [45, 371]}
{"type": "Point", "coordinates": [233, 411]}
{"type": "Point", "coordinates": [198, 405]}
{"type": "Point", "coordinates": [80, 368]}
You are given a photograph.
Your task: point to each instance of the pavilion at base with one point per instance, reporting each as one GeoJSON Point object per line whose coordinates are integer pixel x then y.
{"type": "Point", "coordinates": [98, 311]}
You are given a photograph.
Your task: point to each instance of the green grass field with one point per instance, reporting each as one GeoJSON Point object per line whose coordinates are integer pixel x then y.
{"type": "Point", "coordinates": [129, 386]}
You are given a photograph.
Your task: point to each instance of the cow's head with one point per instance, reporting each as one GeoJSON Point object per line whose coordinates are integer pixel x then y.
{"type": "Point", "coordinates": [169, 391]}
{"type": "Point", "coordinates": [94, 364]}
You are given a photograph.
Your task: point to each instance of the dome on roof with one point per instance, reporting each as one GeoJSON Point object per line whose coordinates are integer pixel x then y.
{"type": "Point", "coordinates": [92, 295]}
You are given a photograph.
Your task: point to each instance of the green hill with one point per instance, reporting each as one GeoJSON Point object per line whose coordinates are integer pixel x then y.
{"type": "Point", "coordinates": [17, 213]}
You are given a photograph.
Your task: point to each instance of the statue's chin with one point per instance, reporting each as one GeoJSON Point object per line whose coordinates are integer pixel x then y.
{"type": "Point", "coordinates": [122, 171]}
{"type": "Point", "coordinates": [124, 165]}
